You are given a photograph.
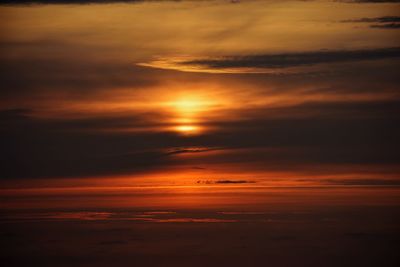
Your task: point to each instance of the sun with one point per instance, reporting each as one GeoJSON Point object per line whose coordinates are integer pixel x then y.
{"type": "Point", "coordinates": [188, 113]}
{"type": "Point", "coordinates": [187, 129]}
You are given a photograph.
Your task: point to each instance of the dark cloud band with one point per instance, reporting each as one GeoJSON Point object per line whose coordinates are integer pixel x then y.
{"type": "Point", "coordinates": [388, 22]}
{"type": "Point", "coordinates": [295, 59]}
{"type": "Point", "coordinates": [386, 19]}
{"type": "Point", "coordinates": [370, 1]}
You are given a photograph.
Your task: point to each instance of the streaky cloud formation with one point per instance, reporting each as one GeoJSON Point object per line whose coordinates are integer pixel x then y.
{"type": "Point", "coordinates": [378, 19]}
{"type": "Point", "coordinates": [386, 26]}
{"type": "Point", "coordinates": [388, 22]}
{"type": "Point", "coordinates": [268, 62]}
{"type": "Point", "coordinates": [224, 182]}
{"type": "Point", "coordinates": [362, 182]}
{"type": "Point", "coordinates": [370, 1]}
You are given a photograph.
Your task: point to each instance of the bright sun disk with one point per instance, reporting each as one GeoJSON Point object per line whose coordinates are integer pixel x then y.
{"type": "Point", "coordinates": [187, 129]}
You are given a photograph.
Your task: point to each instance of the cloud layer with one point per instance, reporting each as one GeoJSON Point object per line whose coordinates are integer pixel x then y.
{"type": "Point", "coordinates": [268, 62]}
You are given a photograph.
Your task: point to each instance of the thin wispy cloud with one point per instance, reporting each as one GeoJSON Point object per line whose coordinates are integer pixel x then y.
{"type": "Point", "coordinates": [388, 22]}
{"type": "Point", "coordinates": [386, 26]}
{"type": "Point", "coordinates": [386, 19]}
{"type": "Point", "coordinates": [369, 1]}
{"type": "Point", "coordinates": [269, 63]}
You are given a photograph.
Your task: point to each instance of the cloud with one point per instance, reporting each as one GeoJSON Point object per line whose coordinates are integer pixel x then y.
{"type": "Point", "coordinates": [265, 62]}
{"type": "Point", "coordinates": [34, 148]}
{"type": "Point", "coordinates": [386, 26]}
{"type": "Point", "coordinates": [388, 22]}
{"type": "Point", "coordinates": [361, 182]}
{"type": "Point", "coordinates": [47, 71]}
{"type": "Point", "coordinates": [233, 182]}
{"type": "Point", "coordinates": [385, 19]}
{"type": "Point", "coordinates": [224, 182]}
{"type": "Point", "coordinates": [58, 68]}
{"type": "Point", "coordinates": [297, 59]}
{"type": "Point", "coordinates": [369, 1]}
{"type": "Point", "coordinates": [325, 133]}
{"type": "Point", "coordinates": [190, 150]}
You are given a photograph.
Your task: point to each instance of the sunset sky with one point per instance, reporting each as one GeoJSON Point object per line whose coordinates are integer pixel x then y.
{"type": "Point", "coordinates": [160, 106]}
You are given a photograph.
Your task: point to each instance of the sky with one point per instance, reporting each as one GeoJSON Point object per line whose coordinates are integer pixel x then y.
{"type": "Point", "coordinates": [283, 91]}
{"type": "Point", "coordinates": [199, 133]}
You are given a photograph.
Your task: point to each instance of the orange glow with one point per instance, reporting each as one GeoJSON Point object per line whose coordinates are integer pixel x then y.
{"type": "Point", "coordinates": [187, 129]}
{"type": "Point", "coordinates": [190, 105]}
{"type": "Point", "coordinates": [126, 96]}
{"type": "Point", "coordinates": [187, 112]}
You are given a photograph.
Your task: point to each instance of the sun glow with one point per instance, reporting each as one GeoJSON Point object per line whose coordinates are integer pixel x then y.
{"type": "Point", "coordinates": [187, 129]}
{"type": "Point", "coordinates": [188, 112]}
{"type": "Point", "coordinates": [190, 105]}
